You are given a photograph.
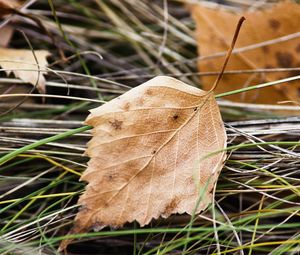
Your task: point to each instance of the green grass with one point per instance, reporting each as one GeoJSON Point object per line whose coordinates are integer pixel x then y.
{"type": "Point", "coordinates": [256, 207]}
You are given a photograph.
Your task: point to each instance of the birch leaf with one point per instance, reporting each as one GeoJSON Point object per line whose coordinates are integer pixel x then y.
{"type": "Point", "coordinates": [6, 34]}
{"type": "Point", "coordinates": [215, 27]}
{"type": "Point", "coordinates": [148, 155]}
{"type": "Point", "coordinates": [7, 6]}
{"type": "Point", "coordinates": [23, 64]}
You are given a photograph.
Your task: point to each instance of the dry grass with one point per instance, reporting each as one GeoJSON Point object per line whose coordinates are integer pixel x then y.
{"type": "Point", "coordinates": [256, 207]}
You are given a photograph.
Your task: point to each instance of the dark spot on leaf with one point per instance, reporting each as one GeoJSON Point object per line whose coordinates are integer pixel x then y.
{"type": "Point", "coordinates": [285, 90]}
{"type": "Point", "coordinates": [210, 65]}
{"type": "Point", "coordinates": [225, 78]}
{"type": "Point", "coordinates": [116, 124]}
{"type": "Point", "coordinates": [175, 117]}
{"type": "Point", "coordinates": [195, 109]}
{"type": "Point", "coordinates": [126, 106]}
{"type": "Point", "coordinates": [298, 48]}
{"type": "Point", "coordinates": [293, 73]}
{"type": "Point", "coordinates": [274, 24]}
{"type": "Point", "coordinates": [171, 206]}
{"type": "Point", "coordinates": [140, 101]}
{"type": "Point", "coordinates": [149, 92]}
{"type": "Point", "coordinates": [153, 152]}
{"type": "Point", "coordinates": [284, 59]}
{"type": "Point", "coordinates": [265, 49]}
{"type": "Point", "coordinates": [269, 66]}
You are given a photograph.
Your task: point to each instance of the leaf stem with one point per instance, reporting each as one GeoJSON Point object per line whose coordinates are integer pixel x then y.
{"type": "Point", "coordinates": [235, 36]}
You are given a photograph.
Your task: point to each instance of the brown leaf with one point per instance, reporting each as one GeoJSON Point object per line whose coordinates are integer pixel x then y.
{"type": "Point", "coordinates": [214, 32]}
{"type": "Point", "coordinates": [147, 155]}
{"type": "Point", "coordinates": [6, 33]}
{"type": "Point", "coordinates": [7, 6]}
{"type": "Point", "coordinates": [23, 64]}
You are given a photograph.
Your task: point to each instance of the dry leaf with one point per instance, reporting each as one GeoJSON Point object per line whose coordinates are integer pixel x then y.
{"type": "Point", "coordinates": [23, 64]}
{"type": "Point", "coordinates": [7, 6]}
{"type": "Point", "coordinates": [6, 33]}
{"type": "Point", "coordinates": [147, 155]}
{"type": "Point", "coordinates": [214, 32]}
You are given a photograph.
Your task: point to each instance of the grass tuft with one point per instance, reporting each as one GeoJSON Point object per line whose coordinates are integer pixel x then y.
{"type": "Point", "coordinates": [101, 50]}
